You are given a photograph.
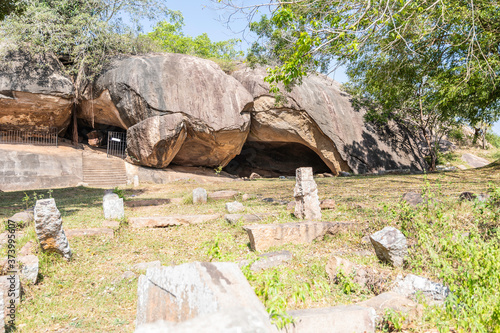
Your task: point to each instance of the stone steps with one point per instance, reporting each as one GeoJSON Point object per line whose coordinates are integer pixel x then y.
{"type": "Point", "coordinates": [103, 172]}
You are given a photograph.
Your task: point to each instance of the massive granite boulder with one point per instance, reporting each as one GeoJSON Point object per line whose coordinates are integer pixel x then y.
{"type": "Point", "coordinates": [34, 92]}
{"type": "Point", "coordinates": [214, 107]}
{"type": "Point", "coordinates": [318, 115]}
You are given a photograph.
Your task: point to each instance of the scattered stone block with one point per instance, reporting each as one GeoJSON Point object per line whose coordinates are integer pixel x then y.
{"type": "Point", "coordinates": [23, 218]}
{"type": "Point", "coordinates": [49, 230]}
{"type": "Point", "coordinates": [223, 195]}
{"type": "Point", "coordinates": [390, 245]}
{"type": "Point", "coordinates": [264, 236]}
{"type": "Point", "coordinates": [111, 224]}
{"type": "Point", "coordinates": [268, 260]}
{"type": "Point", "coordinates": [390, 300]}
{"type": "Point", "coordinates": [199, 196]}
{"type": "Point", "coordinates": [113, 206]}
{"type": "Point", "coordinates": [327, 204]}
{"type": "Point", "coordinates": [27, 249]}
{"type": "Point", "coordinates": [412, 284]}
{"type": "Point", "coordinates": [166, 221]}
{"type": "Point", "coordinates": [337, 319]}
{"type": "Point", "coordinates": [142, 266]}
{"type": "Point", "coordinates": [246, 197]}
{"type": "Point", "coordinates": [235, 218]}
{"type": "Point", "coordinates": [29, 268]}
{"type": "Point", "coordinates": [147, 202]}
{"type": "Point", "coordinates": [306, 195]}
{"type": "Point", "coordinates": [70, 233]}
{"type": "Point", "coordinates": [234, 207]}
{"type": "Point", "coordinates": [413, 199]}
{"type": "Point", "coordinates": [344, 174]}
{"type": "Point", "coordinates": [180, 293]}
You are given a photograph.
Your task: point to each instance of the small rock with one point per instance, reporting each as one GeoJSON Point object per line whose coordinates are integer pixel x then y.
{"type": "Point", "coordinates": [113, 206]}
{"type": "Point", "coordinates": [142, 266]}
{"type": "Point", "coordinates": [199, 196]}
{"type": "Point", "coordinates": [223, 195]}
{"type": "Point", "coordinates": [328, 175]}
{"type": "Point", "coordinates": [390, 245]}
{"type": "Point", "coordinates": [269, 200]}
{"type": "Point", "coordinates": [306, 195]}
{"type": "Point", "coordinates": [327, 204]}
{"type": "Point", "coordinates": [234, 207]}
{"type": "Point", "coordinates": [48, 227]}
{"type": "Point", "coordinates": [413, 199]}
{"type": "Point", "coordinates": [320, 175]}
{"type": "Point", "coordinates": [29, 268]}
{"type": "Point", "coordinates": [23, 218]}
{"type": "Point", "coordinates": [255, 175]}
{"type": "Point", "coordinates": [344, 174]}
{"type": "Point", "coordinates": [467, 196]}
{"type": "Point", "coordinates": [282, 177]}
{"type": "Point", "coordinates": [246, 197]}
{"type": "Point", "coordinates": [412, 284]}
{"type": "Point", "coordinates": [268, 260]}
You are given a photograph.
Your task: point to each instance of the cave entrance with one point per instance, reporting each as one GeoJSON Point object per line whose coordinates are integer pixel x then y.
{"type": "Point", "coordinates": [94, 135]}
{"type": "Point", "coordinates": [274, 159]}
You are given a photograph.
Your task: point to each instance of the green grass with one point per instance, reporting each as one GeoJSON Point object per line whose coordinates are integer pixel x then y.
{"type": "Point", "coordinates": [87, 295]}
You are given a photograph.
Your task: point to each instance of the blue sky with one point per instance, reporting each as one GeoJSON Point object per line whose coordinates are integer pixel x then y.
{"type": "Point", "coordinates": [200, 16]}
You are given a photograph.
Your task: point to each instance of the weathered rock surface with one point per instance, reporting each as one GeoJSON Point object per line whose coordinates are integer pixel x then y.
{"type": "Point", "coordinates": [70, 233]}
{"type": "Point", "coordinates": [34, 93]}
{"type": "Point", "coordinates": [318, 115]}
{"type": "Point", "coordinates": [335, 265]}
{"type": "Point", "coordinates": [200, 196]}
{"type": "Point", "coordinates": [337, 319]}
{"type": "Point", "coordinates": [136, 88]}
{"type": "Point", "coordinates": [412, 284]}
{"type": "Point", "coordinates": [223, 195]}
{"type": "Point", "coordinates": [234, 207]}
{"type": "Point", "coordinates": [389, 300]}
{"type": "Point", "coordinates": [23, 218]}
{"type": "Point", "coordinates": [475, 161]}
{"type": "Point", "coordinates": [263, 236]}
{"type": "Point", "coordinates": [268, 260]}
{"type": "Point", "coordinates": [27, 249]}
{"type": "Point", "coordinates": [327, 204]}
{"type": "Point", "coordinates": [390, 245]}
{"type": "Point", "coordinates": [112, 205]}
{"type": "Point", "coordinates": [165, 221]}
{"type": "Point", "coordinates": [49, 230]}
{"type": "Point", "coordinates": [235, 218]}
{"type": "Point", "coordinates": [413, 199]}
{"type": "Point", "coordinates": [179, 293]}
{"type": "Point", "coordinates": [29, 268]}
{"type": "Point", "coordinates": [306, 195]}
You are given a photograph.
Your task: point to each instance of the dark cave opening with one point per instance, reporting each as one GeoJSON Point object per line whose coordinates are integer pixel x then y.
{"type": "Point", "coordinates": [95, 135]}
{"type": "Point", "coordinates": [273, 159]}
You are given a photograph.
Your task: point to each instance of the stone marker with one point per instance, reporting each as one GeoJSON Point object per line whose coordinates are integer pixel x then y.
{"type": "Point", "coordinates": [29, 268]}
{"type": "Point", "coordinates": [306, 195]}
{"type": "Point", "coordinates": [223, 195]}
{"type": "Point", "coordinates": [70, 233]}
{"type": "Point", "coordinates": [180, 293]}
{"type": "Point", "coordinates": [113, 206]}
{"type": "Point", "coordinates": [412, 284]}
{"type": "Point", "coordinates": [327, 204]}
{"type": "Point", "coordinates": [142, 266]}
{"type": "Point", "coordinates": [390, 245]}
{"type": "Point", "coordinates": [166, 221]}
{"type": "Point", "coordinates": [199, 196]}
{"type": "Point", "coordinates": [240, 320]}
{"type": "Point", "coordinates": [136, 181]}
{"type": "Point", "coordinates": [235, 218]}
{"type": "Point", "coordinates": [234, 207]}
{"type": "Point", "coordinates": [389, 300]}
{"type": "Point", "coordinates": [263, 236]}
{"type": "Point", "coordinates": [49, 230]}
{"type": "Point", "coordinates": [337, 319]}
{"type": "Point", "coordinates": [268, 260]}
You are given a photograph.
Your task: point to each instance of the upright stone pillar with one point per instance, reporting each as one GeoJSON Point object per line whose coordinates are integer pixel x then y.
{"type": "Point", "coordinates": [306, 195]}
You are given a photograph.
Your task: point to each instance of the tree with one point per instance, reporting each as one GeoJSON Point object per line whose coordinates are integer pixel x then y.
{"type": "Point", "coordinates": [170, 37]}
{"type": "Point", "coordinates": [6, 6]}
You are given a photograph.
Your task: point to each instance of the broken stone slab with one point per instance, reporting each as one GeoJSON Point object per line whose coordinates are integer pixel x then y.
{"type": "Point", "coordinates": [223, 195]}
{"type": "Point", "coordinates": [199, 196]}
{"type": "Point", "coordinates": [413, 199]}
{"type": "Point", "coordinates": [112, 205]}
{"type": "Point", "coordinates": [180, 293]}
{"type": "Point", "coordinates": [268, 260]}
{"type": "Point", "coordinates": [413, 284]}
{"type": "Point", "coordinates": [337, 319]}
{"type": "Point", "coordinates": [234, 207]}
{"type": "Point", "coordinates": [49, 230]}
{"type": "Point", "coordinates": [23, 218]}
{"type": "Point", "coordinates": [264, 236]}
{"type": "Point", "coordinates": [327, 204]}
{"type": "Point", "coordinates": [389, 300]}
{"type": "Point", "coordinates": [306, 195]}
{"type": "Point", "coordinates": [239, 320]}
{"type": "Point", "coordinates": [70, 233]}
{"type": "Point", "coordinates": [29, 268]}
{"type": "Point", "coordinates": [390, 245]}
{"type": "Point", "coordinates": [142, 266]}
{"type": "Point", "coordinates": [235, 218]}
{"type": "Point", "coordinates": [147, 202]}
{"type": "Point", "coordinates": [166, 221]}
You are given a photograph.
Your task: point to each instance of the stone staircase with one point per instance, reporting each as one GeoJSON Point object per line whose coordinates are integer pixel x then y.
{"type": "Point", "coordinates": [101, 171]}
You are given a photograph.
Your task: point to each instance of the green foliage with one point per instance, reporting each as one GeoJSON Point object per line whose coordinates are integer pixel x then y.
{"type": "Point", "coordinates": [30, 201]}
{"type": "Point", "coordinates": [170, 38]}
{"type": "Point", "coordinates": [6, 7]}
{"type": "Point", "coordinates": [119, 191]}
{"type": "Point", "coordinates": [392, 321]}
{"type": "Point", "coordinates": [218, 170]}
{"type": "Point", "coordinates": [493, 139]}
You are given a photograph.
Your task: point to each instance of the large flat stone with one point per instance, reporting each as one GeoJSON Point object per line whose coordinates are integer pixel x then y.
{"type": "Point", "coordinates": [235, 218]}
{"type": "Point", "coordinates": [389, 300]}
{"type": "Point", "coordinates": [264, 236]}
{"type": "Point", "coordinates": [223, 195]}
{"type": "Point", "coordinates": [166, 221]}
{"type": "Point", "coordinates": [268, 260]}
{"type": "Point", "coordinates": [70, 233]}
{"type": "Point", "coordinates": [179, 293]}
{"type": "Point", "coordinates": [337, 319]}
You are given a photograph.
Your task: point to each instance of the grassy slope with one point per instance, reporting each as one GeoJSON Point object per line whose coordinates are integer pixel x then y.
{"type": "Point", "coordinates": [81, 296]}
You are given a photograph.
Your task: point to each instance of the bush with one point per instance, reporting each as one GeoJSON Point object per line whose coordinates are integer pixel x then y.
{"type": "Point", "coordinates": [493, 139]}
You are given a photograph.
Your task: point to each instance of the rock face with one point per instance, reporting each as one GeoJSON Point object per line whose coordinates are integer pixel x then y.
{"type": "Point", "coordinates": [48, 227]}
{"type": "Point", "coordinates": [390, 245]}
{"type": "Point", "coordinates": [179, 293]}
{"type": "Point", "coordinates": [306, 195]}
{"type": "Point", "coordinates": [34, 93]}
{"type": "Point", "coordinates": [136, 88]}
{"type": "Point", "coordinates": [318, 115]}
